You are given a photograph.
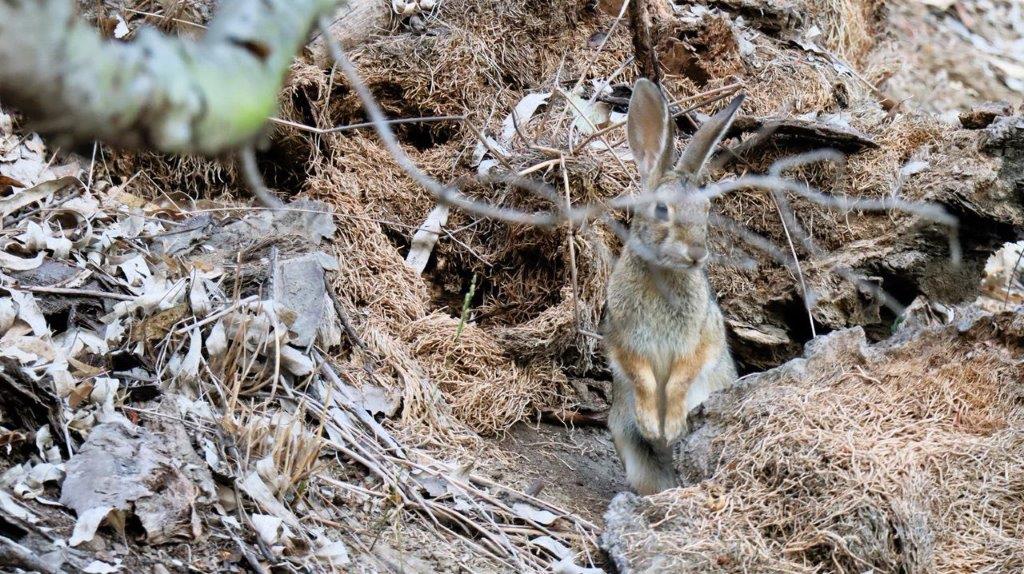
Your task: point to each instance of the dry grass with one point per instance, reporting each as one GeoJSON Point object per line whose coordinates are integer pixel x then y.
{"type": "Point", "coordinates": [483, 386]}
{"type": "Point", "coordinates": [278, 446]}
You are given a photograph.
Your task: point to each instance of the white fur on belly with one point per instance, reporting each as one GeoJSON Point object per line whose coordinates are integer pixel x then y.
{"type": "Point", "coordinates": [701, 389]}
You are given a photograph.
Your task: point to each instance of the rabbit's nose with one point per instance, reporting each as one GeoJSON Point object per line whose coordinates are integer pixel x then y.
{"type": "Point", "coordinates": [698, 254]}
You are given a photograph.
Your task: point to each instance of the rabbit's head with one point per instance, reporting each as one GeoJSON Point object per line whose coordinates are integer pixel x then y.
{"type": "Point", "coordinates": [674, 232]}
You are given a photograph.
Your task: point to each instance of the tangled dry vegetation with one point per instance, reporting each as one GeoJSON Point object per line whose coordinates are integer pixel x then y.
{"type": "Point", "coordinates": [326, 402]}
{"type": "Point", "coordinates": [903, 457]}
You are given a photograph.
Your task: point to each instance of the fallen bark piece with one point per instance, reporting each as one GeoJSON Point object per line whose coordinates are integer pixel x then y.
{"type": "Point", "coordinates": [121, 471]}
{"type": "Point", "coordinates": [982, 115]}
{"type": "Point", "coordinates": [820, 132]}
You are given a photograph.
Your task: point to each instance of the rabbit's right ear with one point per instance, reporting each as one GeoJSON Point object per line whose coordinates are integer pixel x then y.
{"type": "Point", "coordinates": [649, 129]}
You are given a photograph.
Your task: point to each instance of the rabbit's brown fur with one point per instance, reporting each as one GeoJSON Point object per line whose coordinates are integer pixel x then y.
{"type": "Point", "coordinates": [663, 330]}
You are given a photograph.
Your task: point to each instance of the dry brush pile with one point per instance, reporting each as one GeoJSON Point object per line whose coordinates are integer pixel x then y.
{"type": "Point", "coordinates": [901, 457]}
{"type": "Point", "coordinates": [335, 361]}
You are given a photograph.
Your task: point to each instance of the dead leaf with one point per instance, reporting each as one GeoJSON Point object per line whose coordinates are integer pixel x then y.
{"type": "Point", "coordinates": [589, 116]}
{"type": "Point", "coordinates": [11, 507]}
{"type": "Point", "coordinates": [8, 313]}
{"type": "Point", "coordinates": [939, 4]}
{"type": "Point", "coordinates": [267, 527]}
{"type": "Point", "coordinates": [568, 566]}
{"type": "Point", "coordinates": [9, 205]}
{"type": "Point", "coordinates": [1002, 284]}
{"type": "Point", "coordinates": [10, 438]}
{"type": "Point", "coordinates": [295, 361]}
{"type": "Point", "coordinates": [425, 238]}
{"type": "Point", "coordinates": [158, 325]}
{"type": "Point", "coordinates": [84, 370]}
{"type": "Point", "coordinates": [198, 297]}
{"type": "Point", "coordinates": [553, 546]}
{"type": "Point", "coordinates": [15, 263]}
{"type": "Point", "coordinates": [188, 368]}
{"type": "Point", "coordinates": [521, 114]}
{"type": "Point", "coordinates": [335, 552]}
{"type": "Point", "coordinates": [254, 486]}
{"type": "Point", "coordinates": [121, 29]}
{"type": "Point", "coordinates": [217, 341]}
{"type": "Point", "coordinates": [377, 401]}
{"type": "Point", "coordinates": [537, 515]}
{"type": "Point", "coordinates": [98, 567]}
{"type": "Point", "coordinates": [79, 394]}
{"type": "Point", "coordinates": [4, 180]}
{"type": "Point", "coordinates": [299, 289]}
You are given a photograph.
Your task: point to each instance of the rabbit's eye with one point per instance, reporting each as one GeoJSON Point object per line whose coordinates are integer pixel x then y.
{"type": "Point", "coordinates": [661, 211]}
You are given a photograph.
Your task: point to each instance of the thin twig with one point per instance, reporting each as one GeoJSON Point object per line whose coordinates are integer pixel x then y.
{"type": "Point", "coordinates": [74, 292]}
{"type": "Point", "coordinates": [573, 273]}
{"type": "Point", "coordinates": [337, 129]}
{"type": "Point", "coordinates": [252, 177]}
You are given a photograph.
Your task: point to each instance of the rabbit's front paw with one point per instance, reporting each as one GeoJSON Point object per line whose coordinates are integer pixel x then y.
{"type": "Point", "coordinates": [674, 427]}
{"type": "Point", "coordinates": [646, 413]}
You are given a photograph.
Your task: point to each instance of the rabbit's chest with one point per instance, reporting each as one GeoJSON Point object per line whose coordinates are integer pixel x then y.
{"type": "Point", "coordinates": [660, 335]}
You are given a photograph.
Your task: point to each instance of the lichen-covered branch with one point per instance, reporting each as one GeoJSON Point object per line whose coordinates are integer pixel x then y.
{"type": "Point", "coordinates": [156, 92]}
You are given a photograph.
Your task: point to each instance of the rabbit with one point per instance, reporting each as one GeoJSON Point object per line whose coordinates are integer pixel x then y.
{"type": "Point", "coordinates": [663, 330]}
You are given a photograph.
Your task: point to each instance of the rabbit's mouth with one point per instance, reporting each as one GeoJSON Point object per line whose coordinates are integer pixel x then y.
{"type": "Point", "coordinates": [680, 255]}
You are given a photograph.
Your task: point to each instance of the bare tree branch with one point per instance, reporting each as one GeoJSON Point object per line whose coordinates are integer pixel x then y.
{"type": "Point", "coordinates": [157, 92]}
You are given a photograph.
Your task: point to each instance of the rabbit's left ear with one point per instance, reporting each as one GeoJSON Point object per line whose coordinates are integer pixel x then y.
{"type": "Point", "coordinates": [703, 142]}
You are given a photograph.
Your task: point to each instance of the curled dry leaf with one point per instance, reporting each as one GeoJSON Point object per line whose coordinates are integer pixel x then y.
{"type": "Point", "coordinates": [217, 340]}
{"type": "Point", "coordinates": [333, 551]}
{"type": "Point", "coordinates": [425, 238]}
{"type": "Point", "coordinates": [28, 311]}
{"type": "Point", "coordinates": [103, 393]}
{"type": "Point", "coordinates": [198, 297]}
{"type": "Point", "coordinates": [37, 238]}
{"type": "Point", "coordinates": [8, 313]}
{"type": "Point", "coordinates": [556, 548]}
{"type": "Point", "coordinates": [295, 361]}
{"type": "Point", "coordinates": [267, 527]}
{"type": "Point", "coordinates": [11, 262]}
{"type": "Point", "coordinates": [32, 479]}
{"type": "Point", "coordinates": [9, 205]}
{"type": "Point", "coordinates": [11, 507]}
{"type": "Point", "coordinates": [1003, 282]}
{"type": "Point", "coordinates": [187, 368]}
{"type": "Point", "coordinates": [522, 114]}
{"type": "Point", "coordinates": [99, 567]}
{"type": "Point", "coordinates": [254, 486]}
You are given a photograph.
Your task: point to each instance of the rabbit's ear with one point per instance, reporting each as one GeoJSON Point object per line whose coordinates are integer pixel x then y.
{"type": "Point", "coordinates": [703, 142]}
{"type": "Point", "coordinates": [649, 128]}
